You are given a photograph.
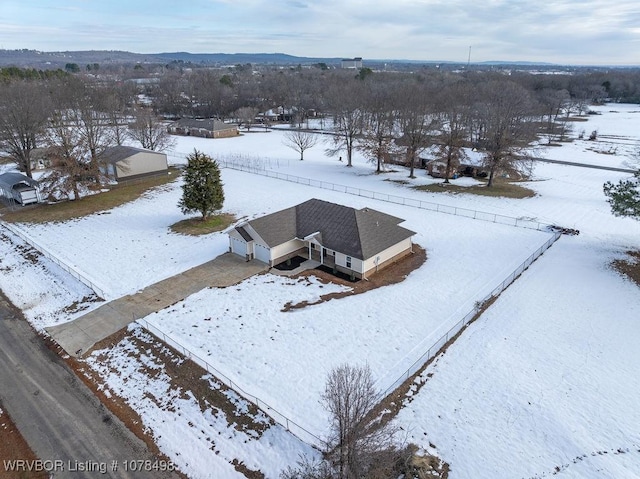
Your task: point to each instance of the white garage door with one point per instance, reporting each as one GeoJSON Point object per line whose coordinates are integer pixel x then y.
{"type": "Point", "coordinates": [262, 253]}
{"type": "Point", "coordinates": [238, 246]}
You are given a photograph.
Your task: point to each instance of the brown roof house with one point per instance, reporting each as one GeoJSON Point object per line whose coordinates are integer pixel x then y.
{"type": "Point", "coordinates": [355, 242]}
{"type": "Point", "coordinates": [128, 163]}
{"type": "Point", "coordinates": [207, 128]}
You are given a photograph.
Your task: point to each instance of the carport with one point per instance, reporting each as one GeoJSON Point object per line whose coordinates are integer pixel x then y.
{"type": "Point", "coordinates": [19, 188]}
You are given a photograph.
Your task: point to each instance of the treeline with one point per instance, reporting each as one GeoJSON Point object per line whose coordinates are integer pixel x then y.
{"type": "Point", "coordinates": [12, 73]}
{"type": "Point", "coordinates": [388, 116]}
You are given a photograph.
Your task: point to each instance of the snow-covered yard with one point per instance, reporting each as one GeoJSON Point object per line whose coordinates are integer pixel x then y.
{"type": "Point", "coordinates": [544, 380]}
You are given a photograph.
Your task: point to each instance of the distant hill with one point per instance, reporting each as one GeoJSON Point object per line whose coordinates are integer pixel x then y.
{"type": "Point", "coordinates": [44, 60]}
{"type": "Point", "coordinates": [47, 60]}
{"type": "Point", "coordinates": [242, 58]}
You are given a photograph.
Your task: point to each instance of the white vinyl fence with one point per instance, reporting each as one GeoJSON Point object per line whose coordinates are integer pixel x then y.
{"type": "Point", "coordinates": [48, 254]}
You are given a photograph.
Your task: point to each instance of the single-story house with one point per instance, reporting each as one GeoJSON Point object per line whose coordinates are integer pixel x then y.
{"type": "Point", "coordinates": [20, 188]}
{"type": "Point", "coordinates": [355, 242]}
{"type": "Point", "coordinates": [41, 158]}
{"type": "Point", "coordinates": [128, 163]}
{"type": "Point", "coordinates": [472, 163]}
{"type": "Point", "coordinates": [437, 168]}
{"type": "Point", "coordinates": [207, 128]}
{"type": "Point", "coordinates": [280, 113]}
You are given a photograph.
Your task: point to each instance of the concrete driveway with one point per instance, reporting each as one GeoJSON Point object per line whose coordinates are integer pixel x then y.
{"type": "Point", "coordinates": [80, 335]}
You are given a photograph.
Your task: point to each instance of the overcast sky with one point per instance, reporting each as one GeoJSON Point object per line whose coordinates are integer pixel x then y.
{"type": "Point", "coordinates": [558, 31]}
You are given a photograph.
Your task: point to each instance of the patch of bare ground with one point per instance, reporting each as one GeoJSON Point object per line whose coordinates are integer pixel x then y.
{"type": "Point", "coordinates": [185, 376]}
{"type": "Point", "coordinates": [629, 267]}
{"type": "Point", "coordinates": [392, 274]}
{"type": "Point", "coordinates": [13, 447]}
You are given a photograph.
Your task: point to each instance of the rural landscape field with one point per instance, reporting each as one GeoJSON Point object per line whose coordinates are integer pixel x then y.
{"type": "Point", "coordinates": [542, 383]}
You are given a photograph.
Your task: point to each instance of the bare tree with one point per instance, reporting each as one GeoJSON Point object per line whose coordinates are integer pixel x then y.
{"type": "Point", "coordinates": [505, 110]}
{"type": "Point", "coordinates": [358, 438]}
{"type": "Point", "coordinates": [378, 123]}
{"type": "Point", "coordinates": [453, 106]}
{"type": "Point", "coordinates": [150, 132]}
{"type": "Point", "coordinates": [300, 141]}
{"type": "Point", "coordinates": [552, 103]}
{"type": "Point", "coordinates": [82, 102]}
{"type": "Point", "coordinates": [415, 121]}
{"type": "Point", "coordinates": [71, 169]}
{"type": "Point", "coordinates": [24, 109]}
{"type": "Point", "coordinates": [115, 102]}
{"type": "Point", "coordinates": [246, 116]}
{"type": "Point", "coordinates": [346, 105]}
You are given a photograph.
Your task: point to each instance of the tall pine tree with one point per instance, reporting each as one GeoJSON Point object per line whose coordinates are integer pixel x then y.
{"type": "Point", "coordinates": [624, 197]}
{"type": "Point", "coordinates": [202, 189]}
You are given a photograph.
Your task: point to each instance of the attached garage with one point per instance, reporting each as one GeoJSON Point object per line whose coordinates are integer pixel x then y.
{"type": "Point", "coordinates": [262, 253]}
{"type": "Point", "coordinates": [19, 188]}
{"type": "Point", "coordinates": [239, 246]}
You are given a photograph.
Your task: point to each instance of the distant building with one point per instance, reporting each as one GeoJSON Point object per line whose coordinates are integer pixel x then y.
{"type": "Point", "coordinates": [208, 128]}
{"type": "Point", "coordinates": [128, 163]}
{"type": "Point", "coordinates": [353, 63]}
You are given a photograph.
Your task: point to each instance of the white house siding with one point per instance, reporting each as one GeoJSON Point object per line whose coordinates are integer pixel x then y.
{"type": "Point", "coordinates": [356, 264]}
{"type": "Point", "coordinates": [142, 163]}
{"type": "Point", "coordinates": [286, 250]}
{"type": "Point", "coordinates": [389, 254]}
{"type": "Point", "coordinates": [237, 244]}
{"type": "Point", "coordinates": [262, 253]}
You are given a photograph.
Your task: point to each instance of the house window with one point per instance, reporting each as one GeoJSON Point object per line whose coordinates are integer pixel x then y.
{"type": "Point", "coordinates": [348, 261]}
{"type": "Point", "coordinates": [313, 246]}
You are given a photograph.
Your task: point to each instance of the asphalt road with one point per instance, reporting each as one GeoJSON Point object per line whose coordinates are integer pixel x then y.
{"type": "Point", "coordinates": [59, 417]}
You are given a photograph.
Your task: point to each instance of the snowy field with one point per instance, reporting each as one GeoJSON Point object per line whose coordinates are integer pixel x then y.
{"type": "Point", "coordinates": [287, 355]}
{"type": "Point", "coordinates": [544, 383]}
{"type": "Point", "coordinates": [617, 138]}
{"type": "Point", "coordinates": [202, 443]}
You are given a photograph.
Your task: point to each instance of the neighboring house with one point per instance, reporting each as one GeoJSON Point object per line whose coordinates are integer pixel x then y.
{"type": "Point", "coordinates": [208, 128]}
{"type": "Point", "coordinates": [280, 113]}
{"type": "Point", "coordinates": [437, 168]}
{"type": "Point", "coordinates": [472, 164]}
{"type": "Point", "coordinates": [356, 242]}
{"type": "Point", "coordinates": [20, 188]}
{"type": "Point", "coordinates": [128, 163]}
{"type": "Point", "coordinates": [41, 158]}
{"type": "Point", "coordinates": [351, 63]}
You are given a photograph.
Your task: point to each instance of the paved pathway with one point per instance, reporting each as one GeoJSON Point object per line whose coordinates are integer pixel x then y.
{"type": "Point", "coordinates": [57, 414]}
{"type": "Point", "coordinates": [584, 165]}
{"type": "Point", "coordinates": [78, 336]}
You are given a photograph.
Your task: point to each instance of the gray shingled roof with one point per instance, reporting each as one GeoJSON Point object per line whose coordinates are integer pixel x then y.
{"type": "Point", "coordinates": [358, 233]}
{"type": "Point", "coordinates": [277, 227]}
{"type": "Point", "coordinates": [118, 153]}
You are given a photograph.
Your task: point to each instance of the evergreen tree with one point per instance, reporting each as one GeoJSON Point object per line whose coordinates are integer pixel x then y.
{"type": "Point", "coordinates": [624, 197]}
{"type": "Point", "coordinates": [202, 189]}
